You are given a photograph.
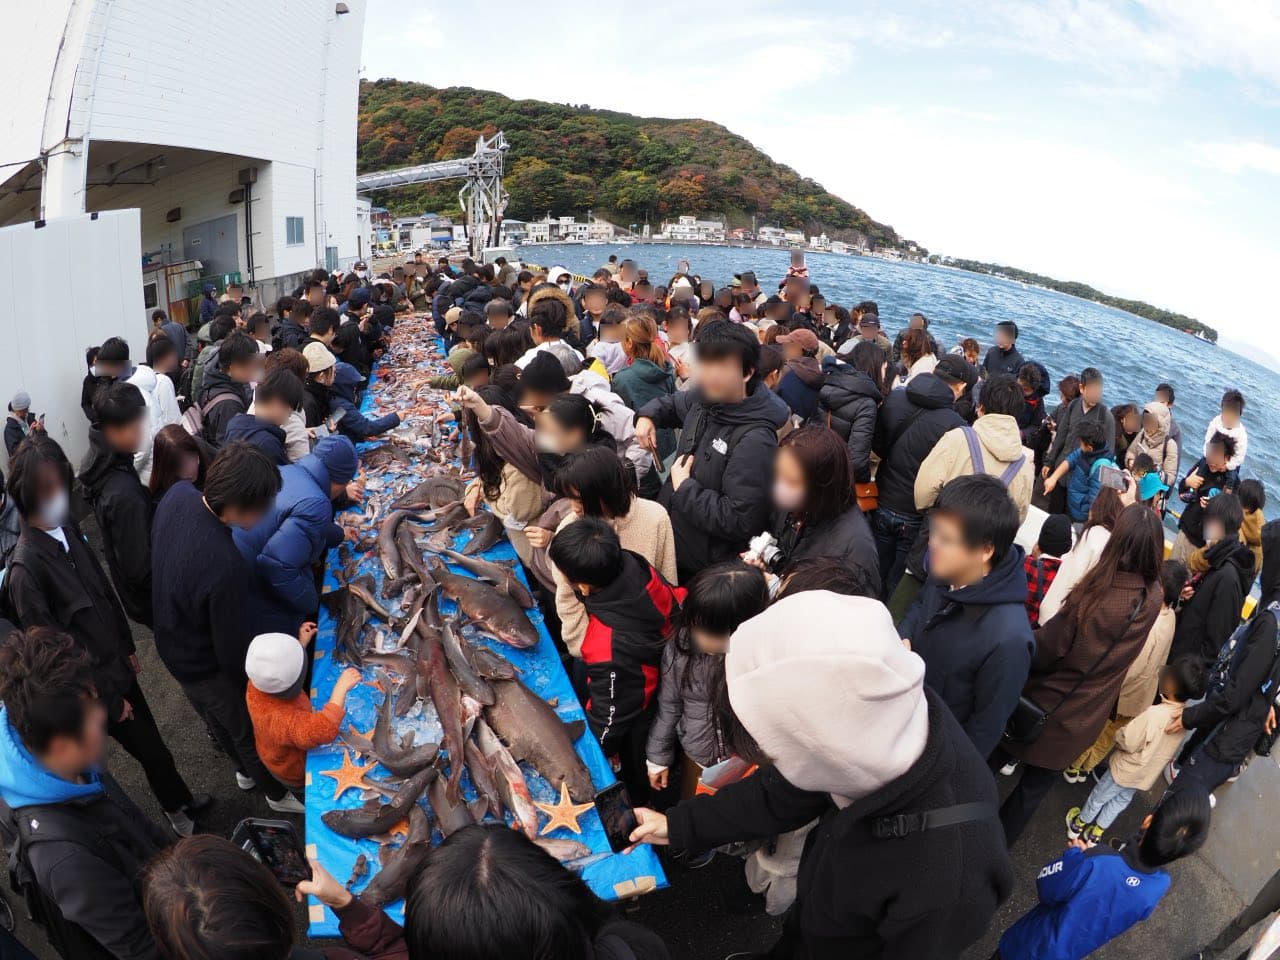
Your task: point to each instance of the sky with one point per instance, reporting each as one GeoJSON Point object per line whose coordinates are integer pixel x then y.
{"type": "Point", "coordinates": [1133, 145]}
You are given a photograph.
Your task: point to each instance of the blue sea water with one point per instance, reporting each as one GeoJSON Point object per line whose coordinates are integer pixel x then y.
{"type": "Point", "coordinates": [1064, 333]}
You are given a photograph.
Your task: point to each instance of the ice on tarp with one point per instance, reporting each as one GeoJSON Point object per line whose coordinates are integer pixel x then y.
{"type": "Point", "coordinates": [609, 875]}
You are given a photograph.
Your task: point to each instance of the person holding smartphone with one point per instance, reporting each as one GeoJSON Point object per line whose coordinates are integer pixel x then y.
{"type": "Point", "coordinates": [21, 422]}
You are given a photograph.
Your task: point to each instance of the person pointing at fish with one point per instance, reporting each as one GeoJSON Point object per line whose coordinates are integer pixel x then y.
{"type": "Point", "coordinates": [877, 878]}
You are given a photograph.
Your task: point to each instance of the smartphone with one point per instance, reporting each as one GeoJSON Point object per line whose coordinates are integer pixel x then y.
{"type": "Point", "coordinates": [613, 803]}
{"type": "Point", "coordinates": [1112, 477]}
{"type": "Point", "coordinates": [275, 843]}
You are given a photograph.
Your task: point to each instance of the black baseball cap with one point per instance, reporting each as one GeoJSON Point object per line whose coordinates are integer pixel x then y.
{"type": "Point", "coordinates": [869, 320]}
{"type": "Point", "coordinates": [955, 369]}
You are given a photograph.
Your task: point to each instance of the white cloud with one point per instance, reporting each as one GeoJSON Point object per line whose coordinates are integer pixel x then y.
{"type": "Point", "coordinates": [1250, 156]}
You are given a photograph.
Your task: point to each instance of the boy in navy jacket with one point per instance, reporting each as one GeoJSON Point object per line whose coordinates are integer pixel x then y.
{"type": "Point", "coordinates": [1090, 897]}
{"type": "Point", "coordinates": [629, 611]}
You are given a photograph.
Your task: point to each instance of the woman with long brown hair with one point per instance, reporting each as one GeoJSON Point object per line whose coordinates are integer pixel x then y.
{"type": "Point", "coordinates": [177, 455]}
{"type": "Point", "coordinates": [1080, 559]}
{"type": "Point", "coordinates": [1081, 658]}
{"type": "Point", "coordinates": [647, 376]}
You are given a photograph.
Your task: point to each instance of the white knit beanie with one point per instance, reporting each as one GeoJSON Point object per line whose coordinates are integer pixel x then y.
{"type": "Point", "coordinates": [275, 663]}
{"type": "Point", "coordinates": [826, 688]}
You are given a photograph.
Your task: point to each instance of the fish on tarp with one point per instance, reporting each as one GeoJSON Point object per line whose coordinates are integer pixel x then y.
{"type": "Point", "coordinates": [488, 664]}
{"type": "Point", "coordinates": [363, 587]}
{"type": "Point", "coordinates": [432, 493]}
{"type": "Point", "coordinates": [400, 662]}
{"type": "Point", "coordinates": [498, 574]}
{"type": "Point", "coordinates": [388, 552]}
{"type": "Point", "coordinates": [452, 814]}
{"type": "Point", "coordinates": [396, 758]}
{"type": "Point", "coordinates": [533, 732]}
{"type": "Point", "coordinates": [488, 608]}
{"type": "Point", "coordinates": [470, 682]}
{"type": "Point", "coordinates": [411, 556]}
{"type": "Point", "coordinates": [483, 778]}
{"type": "Point", "coordinates": [488, 534]}
{"type": "Point", "coordinates": [350, 613]}
{"type": "Point", "coordinates": [374, 818]}
{"type": "Point", "coordinates": [446, 696]}
{"type": "Point", "coordinates": [359, 870]}
{"type": "Point", "coordinates": [562, 850]}
{"type": "Point", "coordinates": [388, 884]}
{"type": "Point", "coordinates": [509, 779]}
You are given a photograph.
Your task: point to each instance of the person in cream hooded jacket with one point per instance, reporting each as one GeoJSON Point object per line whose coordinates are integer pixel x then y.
{"type": "Point", "coordinates": [847, 732]}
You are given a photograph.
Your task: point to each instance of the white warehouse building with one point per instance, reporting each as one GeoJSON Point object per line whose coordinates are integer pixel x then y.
{"type": "Point", "coordinates": [231, 127]}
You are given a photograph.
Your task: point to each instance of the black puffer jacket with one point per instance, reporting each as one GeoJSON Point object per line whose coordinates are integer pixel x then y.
{"type": "Point", "coordinates": [1270, 582]}
{"type": "Point", "coordinates": [850, 399]}
{"type": "Point", "coordinates": [1002, 361]}
{"type": "Point", "coordinates": [725, 501]}
{"type": "Point", "coordinates": [122, 507]}
{"type": "Point", "coordinates": [847, 538]}
{"type": "Point", "coordinates": [926, 895]}
{"type": "Point", "coordinates": [1209, 617]}
{"type": "Point", "coordinates": [911, 421]}
{"type": "Point", "coordinates": [1240, 692]}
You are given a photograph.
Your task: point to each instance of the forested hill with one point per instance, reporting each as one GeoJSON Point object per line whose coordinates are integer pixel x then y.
{"type": "Point", "coordinates": [568, 159]}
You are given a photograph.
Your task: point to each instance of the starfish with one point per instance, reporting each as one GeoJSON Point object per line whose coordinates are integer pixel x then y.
{"type": "Point", "coordinates": [565, 813]}
{"type": "Point", "coordinates": [349, 776]}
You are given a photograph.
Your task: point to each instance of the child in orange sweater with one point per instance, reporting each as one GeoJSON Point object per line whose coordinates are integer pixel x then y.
{"type": "Point", "coordinates": [285, 726]}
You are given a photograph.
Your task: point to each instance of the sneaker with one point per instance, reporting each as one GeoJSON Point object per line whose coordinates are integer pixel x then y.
{"type": "Point", "coordinates": [1009, 768]}
{"type": "Point", "coordinates": [1213, 801]}
{"type": "Point", "coordinates": [1171, 771]}
{"type": "Point", "coordinates": [1239, 770]}
{"type": "Point", "coordinates": [244, 781]}
{"type": "Point", "coordinates": [1074, 775]}
{"type": "Point", "coordinates": [286, 804]}
{"type": "Point", "coordinates": [701, 860]}
{"type": "Point", "coordinates": [1092, 834]}
{"type": "Point", "coordinates": [182, 824]}
{"type": "Point", "coordinates": [200, 802]}
{"type": "Point", "coordinates": [1116, 844]}
{"type": "Point", "coordinates": [1075, 826]}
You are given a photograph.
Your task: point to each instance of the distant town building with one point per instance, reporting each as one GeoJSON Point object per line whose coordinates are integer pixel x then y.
{"type": "Point", "coordinates": [794, 238]}
{"type": "Point", "coordinates": [820, 242]}
{"type": "Point", "coordinates": [567, 230]}
{"type": "Point", "coordinates": [690, 229]}
{"type": "Point", "coordinates": [427, 230]}
{"type": "Point", "coordinates": [775, 235]}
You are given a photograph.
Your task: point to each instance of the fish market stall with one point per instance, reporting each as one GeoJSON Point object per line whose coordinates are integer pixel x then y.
{"type": "Point", "coordinates": [463, 671]}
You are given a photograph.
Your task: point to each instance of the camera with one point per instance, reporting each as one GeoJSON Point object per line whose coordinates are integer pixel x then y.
{"type": "Point", "coordinates": [764, 547]}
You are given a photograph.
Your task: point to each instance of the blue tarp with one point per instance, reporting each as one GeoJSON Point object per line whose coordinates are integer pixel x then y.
{"type": "Point", "coordinates": [609, 875]}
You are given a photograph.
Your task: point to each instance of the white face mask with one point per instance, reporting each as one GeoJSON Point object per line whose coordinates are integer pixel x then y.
{"type": "Point", "coordinates": [564, 287]}
{"type": "Point", "coordinates": [786, 497]}
{"type": "Point", "coordinates": [53, 513]}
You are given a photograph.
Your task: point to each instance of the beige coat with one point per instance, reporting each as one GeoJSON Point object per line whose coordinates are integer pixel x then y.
{"type": "Point", "coordinates": [1143, 679]}
{"type": "Point", "coordinates": [1001, 445]}
{"type": "Point", "coordinates": [1159, 446]}
{"type": "Point", "coordinates": [1078, 561]}
{"type": "Point", "coordinates": [1143, 748]}
{"type": "Point", "coordinates": [646, 530]}
{"type": "Point", "coordinates": [520, 499]}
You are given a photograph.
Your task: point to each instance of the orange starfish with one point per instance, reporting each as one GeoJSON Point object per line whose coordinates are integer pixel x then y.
{"type": "Point", "coordinates": [349, 776]}
{"type": "Point", "coordinates": [565, 813]}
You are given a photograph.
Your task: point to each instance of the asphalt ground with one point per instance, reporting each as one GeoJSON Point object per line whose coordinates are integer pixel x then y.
{"type": "Point", "coordinates": [708, 913]}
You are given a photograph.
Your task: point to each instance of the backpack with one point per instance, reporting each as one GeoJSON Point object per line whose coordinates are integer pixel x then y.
{"type": "Point", "coordinates": [193, 421]}
{"type": "Point", "coordinates": [69, 939]}
{"type": "Point", "coordinates": [979, 467]}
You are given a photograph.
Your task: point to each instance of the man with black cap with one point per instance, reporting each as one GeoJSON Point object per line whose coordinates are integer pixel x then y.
{"type": "Point", "coordinates": [1003, 357]}
{"type": "Point", "coordinates": [962, 377]}
{"type": "Point", "coordinates": [120, 502]}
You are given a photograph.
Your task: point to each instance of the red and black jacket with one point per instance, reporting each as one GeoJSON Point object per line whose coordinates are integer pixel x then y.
{"type": "Point", "coordinates": [627, 628]}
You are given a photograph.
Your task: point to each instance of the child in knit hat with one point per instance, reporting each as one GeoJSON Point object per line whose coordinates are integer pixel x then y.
{"type": "Point", "coordinates": [1044, 560]}
{"type": "Point", "coordinates": [285, 726]}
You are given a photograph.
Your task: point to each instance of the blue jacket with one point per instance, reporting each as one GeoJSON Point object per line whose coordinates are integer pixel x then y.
{"type": "Point", "coordinates": [342, 396]}
{"type": "Point", "coordinates": [976, 644]}
{"type": "Point", "coordinates": [1086, 900]}
{"type": "Point", "coordinates": [281, 549]}
{"type": "Point", "coordinates": [1084, 480]}
{"type": "Point", "coordinates": [267, 437]}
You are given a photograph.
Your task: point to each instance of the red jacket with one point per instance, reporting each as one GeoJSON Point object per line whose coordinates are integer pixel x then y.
{"type": "Point", "coordinates": [628, 623]}
{"type": "Point", "coordinates": [1040, 574]}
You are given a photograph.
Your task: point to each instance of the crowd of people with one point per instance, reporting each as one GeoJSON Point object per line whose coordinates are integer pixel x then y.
{"type": "Point", "coordinates": [765, 538]}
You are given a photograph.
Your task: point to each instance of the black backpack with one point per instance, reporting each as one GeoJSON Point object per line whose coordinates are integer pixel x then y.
{"type": "Point", "coordinates": [56, 821]}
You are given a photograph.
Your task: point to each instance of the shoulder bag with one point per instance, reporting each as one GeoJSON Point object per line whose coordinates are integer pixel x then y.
{"type": "Point", "coordinates": [1029, 719]}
